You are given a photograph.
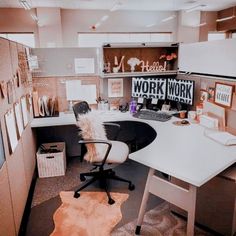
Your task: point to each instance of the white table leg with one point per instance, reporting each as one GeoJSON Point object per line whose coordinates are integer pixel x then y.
{"type": "Point", "coordinates": [144, 202]}
{"type": "Point", "coordinates": [191, 210]}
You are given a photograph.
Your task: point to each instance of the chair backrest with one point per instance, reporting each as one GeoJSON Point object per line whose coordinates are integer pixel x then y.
{"type": "Point", "coordinates": [80, 108]}
{"type": "Point", "coordinates": [92, 128]}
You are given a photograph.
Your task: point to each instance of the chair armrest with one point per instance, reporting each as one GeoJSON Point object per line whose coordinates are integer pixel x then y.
{"type": "Point", "coordinates": [86, 141]}
{"type": "Point", "coordinates": [99, 141]}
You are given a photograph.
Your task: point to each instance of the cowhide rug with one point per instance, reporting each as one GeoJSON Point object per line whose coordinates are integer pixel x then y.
{"type": "Point", "coordinates": [88, 215]}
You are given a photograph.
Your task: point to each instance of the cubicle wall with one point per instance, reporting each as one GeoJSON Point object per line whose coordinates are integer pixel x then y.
{"type": "Point", "coordinates": [17, 170]}
{"type": "Point", "coordinates": [204, 83]}
{"type": "Point", "coordinates": [212, 57]}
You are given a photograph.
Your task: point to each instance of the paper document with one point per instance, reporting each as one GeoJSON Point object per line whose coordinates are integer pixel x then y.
{"type": "Point", "coordinates": [24, 111]}
{"type": "Point", "coordinates": [72, 90]}
{"type": "Point", "coordinates": [224, 138]}
{"type": "Point", "coordinates": [11, 130]}
{"type": "Point", "coordinates": [19, 121]}
{"type": "Point", "coordinates": [84, 66]}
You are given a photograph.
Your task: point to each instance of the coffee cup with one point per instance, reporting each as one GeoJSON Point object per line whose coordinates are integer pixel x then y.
{"type": "Point", "coordinates": [182, 114]}
{"type": "Point", "coordinates": [192, 115]}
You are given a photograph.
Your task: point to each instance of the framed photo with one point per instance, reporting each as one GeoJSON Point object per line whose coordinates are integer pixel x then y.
{"type": "Point", "coordinates": [115, 88]}
{"type": "Point", "coordinates": [203, 95]}
{"type": "Point", "coordinates": [223, 94]}
{"type": "Point", "coordinates": [211, 94]}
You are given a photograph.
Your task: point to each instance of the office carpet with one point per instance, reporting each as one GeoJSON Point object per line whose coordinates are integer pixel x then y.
{"type": "Point", "coordinates": [159, 222]}
{"type": "Point", "coordinates": [47, 199]}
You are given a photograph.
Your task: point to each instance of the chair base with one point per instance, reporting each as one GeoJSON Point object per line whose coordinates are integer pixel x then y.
{"type": "Point", "coordinates": [102, 176]}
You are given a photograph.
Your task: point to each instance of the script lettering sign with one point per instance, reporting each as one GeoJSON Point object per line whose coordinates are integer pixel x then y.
{"type": "Point", "coordinates": [223, 94]}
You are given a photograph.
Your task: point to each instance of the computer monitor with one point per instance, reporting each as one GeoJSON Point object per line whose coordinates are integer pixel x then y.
{"type": "Point", "coordinates": [153, 87]}
{"type": "Point", "coordinates": [180, 91]}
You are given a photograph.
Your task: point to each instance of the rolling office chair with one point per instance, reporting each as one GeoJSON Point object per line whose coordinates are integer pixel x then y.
{"type": "Point", "coordinates": [100, 150]}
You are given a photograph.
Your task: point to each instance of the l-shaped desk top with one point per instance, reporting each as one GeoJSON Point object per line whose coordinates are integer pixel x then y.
{"type": "Point", "coordinates": [183, 152]}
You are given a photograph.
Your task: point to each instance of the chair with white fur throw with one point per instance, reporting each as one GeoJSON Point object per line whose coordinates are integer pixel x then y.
{"type": "Point", "coordinates": [100, 151]}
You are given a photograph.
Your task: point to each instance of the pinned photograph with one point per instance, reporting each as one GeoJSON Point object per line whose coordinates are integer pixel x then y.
{"type": "Point", "coordinates": [203, 95]}
{"type": "Point", "coordinates": [115, 88]}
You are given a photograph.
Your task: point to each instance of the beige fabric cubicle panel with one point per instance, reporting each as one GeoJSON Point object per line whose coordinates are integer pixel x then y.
{"type": "Point", "coordinates": [17, 180]}
{"type": "Point", "coordinates": [16, 173]}
{"type": "Point", "coordinates": [56, 86]}
{"type": "Point", "coordinates": [29, 150]}
{"type": "Point", "coordinates": [6, 213]}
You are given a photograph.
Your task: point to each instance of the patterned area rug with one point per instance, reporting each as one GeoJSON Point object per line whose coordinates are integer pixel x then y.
{"type": "Point", "coordinates": [158, 222]}
{"type": "Point", "coordinates": [89, 215]}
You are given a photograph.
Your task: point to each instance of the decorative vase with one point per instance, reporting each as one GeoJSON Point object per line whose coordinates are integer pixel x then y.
{"type": "Point", "coordinates": [168, 65]}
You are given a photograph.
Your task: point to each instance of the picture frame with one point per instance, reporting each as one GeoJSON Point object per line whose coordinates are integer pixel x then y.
{"type": "Point", "coordinates": [211, 94]}
{"type": "Point", "coordinates": [223, 94]}
{"type": "Point", "coordinates": [203, 95]}
{"type": "Point", "coordinates": [115, 88]}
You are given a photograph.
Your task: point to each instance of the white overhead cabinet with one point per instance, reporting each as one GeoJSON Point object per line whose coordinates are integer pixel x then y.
{"type": "Point", "coordinates": [214, 58]}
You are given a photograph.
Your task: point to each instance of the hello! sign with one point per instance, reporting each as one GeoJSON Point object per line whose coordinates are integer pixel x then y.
{"type": "Point", "coordinates": [149, 87]}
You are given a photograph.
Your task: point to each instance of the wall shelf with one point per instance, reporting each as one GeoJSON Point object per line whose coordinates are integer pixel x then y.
{"type": "Point", "coordinates": [136, 74]}
{"type": "Point", "coordinates": [142, 60]}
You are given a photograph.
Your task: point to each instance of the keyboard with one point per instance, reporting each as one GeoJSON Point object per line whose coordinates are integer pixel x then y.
{"type": "Point", "coordinates": [153, 115]}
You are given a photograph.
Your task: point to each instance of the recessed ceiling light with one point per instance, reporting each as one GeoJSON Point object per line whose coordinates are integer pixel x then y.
{"type": "Point", "coordinates": [25, 4]}
{"type": "Point", "coordinates": [168, 18]}
{"type": "Point", "coordinates": [150, 25]}
{"type": "Point", "coordinates": [191, 1]}
{"type": "Point", "coordinates": [195, 8]}
{"type": "Point", "coordinates": [116, 6]}
{"type": "Point", "coordinates": [104, 18]}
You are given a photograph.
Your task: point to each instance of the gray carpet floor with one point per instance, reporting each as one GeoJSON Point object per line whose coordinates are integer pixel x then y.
{"type": "Point", "coordinates": [46, 199]}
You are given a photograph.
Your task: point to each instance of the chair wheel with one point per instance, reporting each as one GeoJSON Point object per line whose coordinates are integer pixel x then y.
{"type": "Point", "coordinates": [82, 178]}
{"type": "Point", "coordinates": [76, 195]}
{"type": "Point", "coordinates": [131, 187]}
{"type": "Point", "coordinates": [111, 201]}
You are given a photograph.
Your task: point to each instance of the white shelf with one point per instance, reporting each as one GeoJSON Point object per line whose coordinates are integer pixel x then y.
{"type": "Point", "coordinates": [135, 74]}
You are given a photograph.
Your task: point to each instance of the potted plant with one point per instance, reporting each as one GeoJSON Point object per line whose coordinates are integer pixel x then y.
{"type": "Point", "coordinates": [168, 60]}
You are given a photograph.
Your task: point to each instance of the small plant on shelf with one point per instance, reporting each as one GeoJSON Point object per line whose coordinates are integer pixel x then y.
{"type": "Point", "coordinates": [168, 60]}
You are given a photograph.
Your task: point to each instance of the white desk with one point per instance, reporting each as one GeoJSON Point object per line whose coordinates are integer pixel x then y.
{"type": "Point", "coordinates": [182, 152]}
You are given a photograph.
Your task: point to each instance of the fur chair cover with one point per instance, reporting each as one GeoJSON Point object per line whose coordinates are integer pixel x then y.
{"type": "Point", "coordinates": [92, 128]}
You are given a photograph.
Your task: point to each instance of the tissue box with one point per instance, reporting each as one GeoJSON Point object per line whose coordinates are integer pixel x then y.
{"type": "Point", "coordinates": [208, 121]}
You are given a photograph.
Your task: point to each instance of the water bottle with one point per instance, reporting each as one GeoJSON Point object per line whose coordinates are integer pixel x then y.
{"type": "Point", "coordinates": [132, 107]}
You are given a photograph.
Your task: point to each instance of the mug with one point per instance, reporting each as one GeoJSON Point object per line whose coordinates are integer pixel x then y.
{"type": "Point", "coordinates": [192, 115]}
{"type": "Point", "coordinates": [182, 114]}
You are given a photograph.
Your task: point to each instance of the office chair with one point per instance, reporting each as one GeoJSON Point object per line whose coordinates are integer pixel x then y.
{"type": "Point", "coordinates": [100, 150]}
